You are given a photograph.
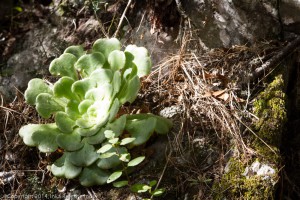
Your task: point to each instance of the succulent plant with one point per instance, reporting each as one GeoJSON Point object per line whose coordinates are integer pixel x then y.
{"type": "Point", "coordinates": [85, 102]}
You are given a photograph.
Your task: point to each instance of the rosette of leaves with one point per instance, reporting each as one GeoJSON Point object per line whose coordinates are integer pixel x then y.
{"type": "Point", "coordinates": [84, 103]}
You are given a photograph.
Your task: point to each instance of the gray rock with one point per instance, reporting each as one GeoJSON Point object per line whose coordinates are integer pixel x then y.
{"type": "Point", "coordinates": [32, 59]}
{"type": "Point", "coordinates": [234, 22]}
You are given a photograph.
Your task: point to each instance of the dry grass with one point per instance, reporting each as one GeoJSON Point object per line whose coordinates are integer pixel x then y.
{"type": "Point", "coordinates": [215, 98]}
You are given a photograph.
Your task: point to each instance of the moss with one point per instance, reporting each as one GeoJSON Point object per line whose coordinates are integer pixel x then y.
{"type": "Point", "coordinates": [234, 185]}
{"type": "Point", "coordinates": [270, 109]}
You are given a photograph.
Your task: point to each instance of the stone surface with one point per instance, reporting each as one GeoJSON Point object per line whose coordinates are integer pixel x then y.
{"type": "Point", "coordinates": [33, 54]}
{"type": "Point", "coordinates": [233, 22]}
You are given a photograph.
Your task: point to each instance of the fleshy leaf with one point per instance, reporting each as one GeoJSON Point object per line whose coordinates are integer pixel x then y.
{"type": "Point", "coordinates": [114, 176]}
{"type": "Point", "coordinates": [75, 50]}
{"type": "Point", "coordinates": [84, 157]}
{"type": "Point", "coordinates": [35, 87]}
{"type": "Point", "coordinates": [116, 82]}
{"type": "Point", "coordinates": [141, 130]}
{"type": "Point", "coordinates": [26, 133]}
{"type": "Point", "coordinates": [100, 93]}
{"type": "Point", "coordinates": [163, 125]}
{"type": "Point", "coordinates": [64, 66]}
{"type": "Point", "coordinates": [102, 76]}
{"type": "Point", "coordinates": [117, 126]}
{"type": "Point", "coordinates": [46, 105]}
{"type": "Point", "coordinates": [86, 121]}
{"type": "Point", "coordinates": [72, 109]}
{"type": "Point", "coordinates": [62, 88]}
{"type": "Point", "coordinates": [136, 161]}
{"type": "Point", "coordinates": [140, 58]}
{"type": "Point", "coordinates": [87, 132]}
{"type": "Point", "coordinates": [62, 167]}
{"type": "Point", "coordinates": [116, 60]}
{"type": "Point", "coordinates": [45, 137]}
{"type": "Point", "coordinates": [89, 63]}
{"type": "Point", "coordinates": [64, 122]}
{"type": "Point", "coordinates": [97, 138]}
{"type": "Point", "coordinates": [114, 110]}
{"type": "Point", "coordinates": [69, 142]}
{"type": "Point", "coordinates": [106, 46]}
{"type": "Point", "coordinates": [93, 176]}
{"type": "Point", "coordinates": [130, 90]}
{"type": "Point", "coordinates": [82, 86]}
{"type": "Point", "coordinates": [84, 105]}
{"type": "Point", "coordinates": [112, 161]}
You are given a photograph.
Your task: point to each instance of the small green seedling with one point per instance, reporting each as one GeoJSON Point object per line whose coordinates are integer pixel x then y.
{"type": "Point", "coordinates": [85, 102]}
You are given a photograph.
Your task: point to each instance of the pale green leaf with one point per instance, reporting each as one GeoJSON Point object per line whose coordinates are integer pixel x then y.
{"type": "Point", "coordinates": [45, 137]}
{"type": "Point", "coordinates": [119, 184]}
{"type": "Point", "coordinates": [64, 66]}
{"type": "Point", "coordinates": [93, 176]}
{"type": "Point", "coordinates": [127, 141]}
{"type": "Point", "coordinates": [114, 109]}
{"type": "Point", "coordinates": [125, 157]}
{"type": "Point", "coordinates": [84, 157]}
{"type": "Point", "coordinates": [69, 142]}
{"type": "Point", "coordinates": [114, 176]}
{"type": "Point", "coordinates": [158, 192]}
{"type": "Point", "coordinates": [46, 105]}
{"type": "Point", "coordinates": [109, 134]}
{"type": "Point", "coordinates": [117, 126]}
{"type": "Point", "coordinates": [106, 46]}
{"type": "Point", "coordinates": [112, 161]}
{"type": "Point", "coordinates": [88, 63]}
{"type": "Point", "coordinates": [35, 87]}
{"type": "Point", "coordinates": [102, 76]}
{"type": "Point", "coordinates": [129, 91]}
{"type": "Point", "coordinates": [82, 86]}
{"type": "Point", "coordinates": [136, 161]}
{"type": "Point", "coordinates": [113, 141]}
{"type": "Point", "coordinates": [116, 60]}
{"type": "Point", "coordinates": [75, 50]}
{"type": "Point", "coordinates": [141, 130]}
{"type": "Point", "coordinates": [140, 57]}
{"type": "Point", "coordinates": [116, 82]}
{"type": "Point", "coordinates": [107, 155]}
{"type": "Point", "coordinates": [105, 148]}
{"type": "Point", "coordinates": [62, 88]}
{"type": "Point", "coordinates": [64, 122]}
{"type": "Point", "coordinates": [84, 105]}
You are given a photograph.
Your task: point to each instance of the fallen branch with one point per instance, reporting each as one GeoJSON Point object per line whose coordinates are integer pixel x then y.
{"type": "Point", "coordinates": [275, 60]}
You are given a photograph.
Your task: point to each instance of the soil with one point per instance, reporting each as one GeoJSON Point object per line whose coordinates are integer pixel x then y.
{"type": "Point", "coordinates": [209, 90]}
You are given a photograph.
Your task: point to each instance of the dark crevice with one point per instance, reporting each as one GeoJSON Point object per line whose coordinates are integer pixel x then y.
{"type": "Point", "coordinates": [290, 174]}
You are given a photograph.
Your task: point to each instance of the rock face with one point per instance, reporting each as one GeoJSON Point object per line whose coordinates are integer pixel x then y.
{"type": "Point", "coordinates": [290, 10]}
{"type": "Point", "coordinates": [231, 22]}
{"type": "Point", "coordinates": [39, 46]}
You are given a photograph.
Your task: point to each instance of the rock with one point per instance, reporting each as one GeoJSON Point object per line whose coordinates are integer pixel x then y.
{"type": "Point", "coordinates": [37, 49]}
{"type": "Point", "coordinates": [169, 112]}
{"type": "Point", "coordinates": [6, 177]}
{"type": "Point", "coordinates": [234, 22]}
{"type": "Point", "coordinates": [289, 10]}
